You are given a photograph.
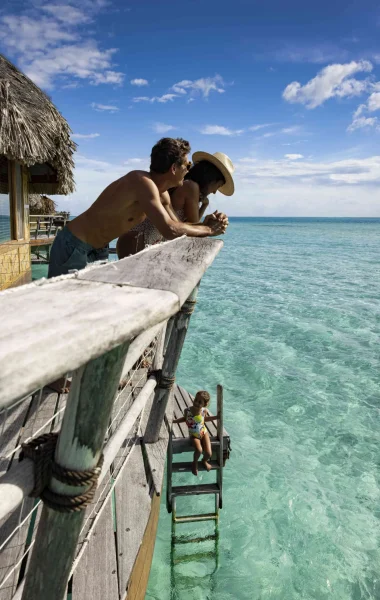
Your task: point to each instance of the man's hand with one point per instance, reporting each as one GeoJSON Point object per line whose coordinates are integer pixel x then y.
{"type": "Point", "coordinates": [216, 217]}
{"type": "Point", "coordinates": [217, 227]}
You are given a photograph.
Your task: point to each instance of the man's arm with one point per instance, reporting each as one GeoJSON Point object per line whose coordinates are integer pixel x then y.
{"type": "Point", "coordinates": [150, 202]}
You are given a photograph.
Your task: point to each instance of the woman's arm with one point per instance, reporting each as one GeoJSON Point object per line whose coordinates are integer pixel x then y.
{"type": "Point", "coordinates": [204, 205]}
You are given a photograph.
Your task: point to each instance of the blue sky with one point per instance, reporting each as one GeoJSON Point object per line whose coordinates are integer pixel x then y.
{"type": "Point", "coordinates": [289, 90]}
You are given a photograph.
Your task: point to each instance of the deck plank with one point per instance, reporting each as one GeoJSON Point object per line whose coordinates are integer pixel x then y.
{"type": "Point", "coordinates": [133, 505]}
{"type": "Point", "coordinates": [95, 577]}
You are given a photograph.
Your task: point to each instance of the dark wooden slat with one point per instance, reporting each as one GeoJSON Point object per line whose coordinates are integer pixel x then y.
{"type": "Point", "coordinates": [133, 505]}
{"type": "Point", "coordinates": [185, 467]}
{"type": "Point", "coordinates": [190, 490]}
{"type": "Point", "coordinates": [95, 577]}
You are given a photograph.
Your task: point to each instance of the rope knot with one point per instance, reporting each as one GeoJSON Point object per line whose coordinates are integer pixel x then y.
{"type": "Point", "coordinates": [41, 451]}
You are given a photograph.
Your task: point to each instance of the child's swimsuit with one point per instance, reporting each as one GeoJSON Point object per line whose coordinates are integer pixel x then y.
{"type": "Point", "coordinates": [196, 424]}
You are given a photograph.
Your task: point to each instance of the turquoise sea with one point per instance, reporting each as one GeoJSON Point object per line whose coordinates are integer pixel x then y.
{"type": "Point", "coordinates": [288, 321]}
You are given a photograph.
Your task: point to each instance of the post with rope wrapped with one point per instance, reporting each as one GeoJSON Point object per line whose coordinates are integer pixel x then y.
{"type": "Point", "coordinates": [177, 326]}
{"type": "Point", "coordinates": [78, 459]}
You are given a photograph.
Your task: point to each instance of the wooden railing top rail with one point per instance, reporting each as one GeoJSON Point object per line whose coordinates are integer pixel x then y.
{"type": "Point", "coordinates": [52, 327]}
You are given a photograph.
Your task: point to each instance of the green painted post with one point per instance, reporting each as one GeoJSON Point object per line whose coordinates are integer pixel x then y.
{"type": "Point", "coordinates": [79, 447]}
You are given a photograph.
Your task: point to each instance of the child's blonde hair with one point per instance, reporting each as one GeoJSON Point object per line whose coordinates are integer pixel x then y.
{"type": "Point", "coordinates": [204, 396]}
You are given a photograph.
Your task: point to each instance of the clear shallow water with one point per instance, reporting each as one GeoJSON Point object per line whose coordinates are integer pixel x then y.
{"type": "Point", "coordinates": [288, 320]}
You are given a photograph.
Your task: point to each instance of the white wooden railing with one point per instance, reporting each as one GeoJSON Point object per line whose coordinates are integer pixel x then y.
{"type": "Point", "coordinates": [95, 323]}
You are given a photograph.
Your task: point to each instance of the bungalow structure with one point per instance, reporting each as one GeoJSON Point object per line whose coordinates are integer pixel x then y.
{"type": "Point", "coordinates": [36, 157]}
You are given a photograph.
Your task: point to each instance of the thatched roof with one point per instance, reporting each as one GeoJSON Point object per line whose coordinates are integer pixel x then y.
{"type": "Point", "coordinates": [33, 132]}
{"type": "Point", "coordinates": [39, 204]}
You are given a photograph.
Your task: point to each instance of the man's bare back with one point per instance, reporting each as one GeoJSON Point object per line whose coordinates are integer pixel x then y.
{"type": "Point", "coordinates": [115, 211]}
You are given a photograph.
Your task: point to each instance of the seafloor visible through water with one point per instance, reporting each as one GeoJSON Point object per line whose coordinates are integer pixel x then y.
{"type": "Point", "coordinates": [288, 320]}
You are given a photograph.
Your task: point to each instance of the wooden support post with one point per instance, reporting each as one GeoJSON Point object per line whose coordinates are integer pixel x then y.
{"type": "Point", "coordinates": [79, 447]}
{"type": "Point", "coordinates": [169, 473]}
{"type": "Point", "coordinates": [38, 226]}
{"type": "Point", "coordinates": [159, 355]}
{"type": "Point", "coordinates": [169, 367]}
{"type": "Point", "coordinates": [219, 396]}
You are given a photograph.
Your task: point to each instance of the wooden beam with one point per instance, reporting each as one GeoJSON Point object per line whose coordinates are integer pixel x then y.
{"type": "Point", "coordinates": [74, 322]}
{"type": "Point", "coordinates": [101, 307]}
{"type": "Point", "coordinates": [176, 266]}
{"type": "Point", "coordinates": [79, 447]}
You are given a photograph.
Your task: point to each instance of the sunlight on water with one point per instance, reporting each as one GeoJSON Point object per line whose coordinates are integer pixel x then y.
{"type": "Point", "coordinates": [288, 320]}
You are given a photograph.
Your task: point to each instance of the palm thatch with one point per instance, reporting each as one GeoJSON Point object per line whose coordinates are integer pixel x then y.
{"type": "Point", "coordinates": [39, 204]}
{"type": "Point", "coordinates": [33, 132]}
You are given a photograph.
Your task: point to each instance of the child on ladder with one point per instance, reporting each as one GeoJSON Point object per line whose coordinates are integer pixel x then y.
{"type": "Point", "coordinates": [195, 417]}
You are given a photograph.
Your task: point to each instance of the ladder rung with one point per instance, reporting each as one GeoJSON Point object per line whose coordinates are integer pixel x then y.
{"type": "Point", "coordinates": [189, 490]}
{"type": "Point", "coordinates": [194, 557]}
{"type": "Point", "coordinates": [193, 518]}
{"type": "Point", "coordinates": [185, 467]}
{"type": "Point", "coordinates": [206, 538]}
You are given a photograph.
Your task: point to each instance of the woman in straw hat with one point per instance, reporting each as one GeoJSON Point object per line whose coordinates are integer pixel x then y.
{"type": "Point", "coordinates": [209, 174]}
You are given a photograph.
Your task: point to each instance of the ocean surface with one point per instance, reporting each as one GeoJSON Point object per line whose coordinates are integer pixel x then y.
{"type": "Point", "coordinates": [288, 321]}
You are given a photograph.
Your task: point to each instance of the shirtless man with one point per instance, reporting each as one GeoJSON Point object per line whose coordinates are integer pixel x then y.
{"type": "Point", "coordinates": [127, 202]}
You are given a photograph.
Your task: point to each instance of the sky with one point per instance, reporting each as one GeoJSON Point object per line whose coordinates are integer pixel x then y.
{"type": "Point", "coordinates": [289, 90]}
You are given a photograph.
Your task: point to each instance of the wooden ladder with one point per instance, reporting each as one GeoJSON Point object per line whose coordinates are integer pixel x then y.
{"type": "Point", "coordinates": [185, 467]}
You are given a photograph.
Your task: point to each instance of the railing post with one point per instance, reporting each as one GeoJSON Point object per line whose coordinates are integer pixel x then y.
{"type": "Point", "coordinates": [178, 329]}
{"type": "Point", "coordinates": [79, 447]}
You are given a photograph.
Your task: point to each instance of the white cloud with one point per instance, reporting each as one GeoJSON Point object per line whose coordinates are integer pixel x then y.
{"type": "Point", "coordinates": [202, 87]}
{"type": "Point", "coordinates": [364, 123]}
{"type": "Point", "coordinates": [347, 172]}
{"type": "Point", "coordinates": [85, 136]}
{"type": "Point", "coordinates": [332, 81]}
{"type": "Point", "coordinates": [220, 130]}
{"type": "Point", "coordinates": [258, 127]}
{"type": "Point", "coordinates": [51, 48]}
{"type": "Point", "coordinates": [374, 102]}
{"type": "Point", "coordinates": [360, 121]}
{"type": "Point", "coordinates": [66, 14]}
{"type": "Point", "coordinates": [139, 82]}
{"type": "Point", "coordinates": [104, 107]}
{"type": "Point", "coordinates": [134, 161]}
{"type": "Point", "coordinates": [162, 127]}
{"type": "Point", "coordinates": [293, 156]}
{"type": "Point", "coordinates": [162, 99]}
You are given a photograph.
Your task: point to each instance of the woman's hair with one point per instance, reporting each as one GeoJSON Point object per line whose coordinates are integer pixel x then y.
{"type": "Point", "coordinates": [204, 173]}
{"type": "Point", "coordinates": [204, 396]}
{"type": "Point", "coordinates": [167, 152]}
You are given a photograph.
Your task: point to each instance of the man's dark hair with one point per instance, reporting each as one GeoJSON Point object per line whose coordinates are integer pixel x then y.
{"type": "Point", "coordinates": [204, 173]}
{"type": "Point", "coordinates": [166, 152]}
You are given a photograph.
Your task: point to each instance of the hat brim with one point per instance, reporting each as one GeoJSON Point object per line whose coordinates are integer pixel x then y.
{"type": "Point", "coordinates": [229, 187]}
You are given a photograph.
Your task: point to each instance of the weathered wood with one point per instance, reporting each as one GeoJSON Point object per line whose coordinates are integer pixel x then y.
{"type": "Point", "coordinates": [95, 577]}
{"type": "Point", "coordinates": [175, 266]}
{"type": "Point", "coordinates": [138, 580]}
{"type": "Point", "coordinates": [138, 346]}
{"type": "Point", "coordinates": [79, 447]}
{"type": "Point", "coordinates": [97, 317]}
{"type": "Point", "coordinates": [156, 453]}
{"type": "Point", "coordinates": [189, 490]}
{"type": "Point", "coordinates": [40, 410]}
{"type": "Point", "coordinates": [122, 432]}
{"type": "Point", "coordinates": [159, 355]}
{"type": "Point", "coordinates": [19, 481]}
{"type": "Point", "coordinates": [169, 473]}
{"type": "Point", "coordinates": [186, 467]}
{"type": "Point", "coordinates": [169, 367]}
{"type": "Point", "coordinates": [219, 477]}
{"type": "Point", "coordinates": [133, 505]}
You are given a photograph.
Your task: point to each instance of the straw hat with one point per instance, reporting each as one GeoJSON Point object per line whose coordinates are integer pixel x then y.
{"type": "Point", "coordinates": [225, 166]}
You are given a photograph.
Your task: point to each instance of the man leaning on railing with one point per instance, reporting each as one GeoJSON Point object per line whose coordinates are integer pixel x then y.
{"type": "Point", "coordinates": [126, 203]}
